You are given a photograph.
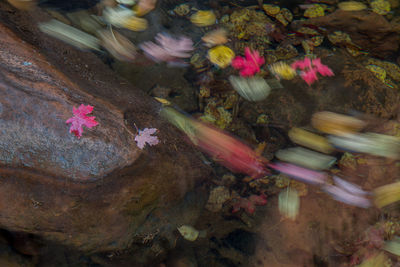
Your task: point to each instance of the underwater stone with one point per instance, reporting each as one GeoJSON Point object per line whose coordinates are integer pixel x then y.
{"type": "Point", "coordinates": [372, 32]}
{"type": "Point", "coordinates": [33, 131]}
{"type": "Point", "coordinates": [95, 193]}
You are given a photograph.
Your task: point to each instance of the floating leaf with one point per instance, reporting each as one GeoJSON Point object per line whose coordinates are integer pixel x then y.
{"type": "Point", "coordinates": [393, 246]}
{"type": "Point", "coordinates": [251, 89]}
{"type": "Point", "coordinates": [168, 49]}
{"type": "Point", "coordinates": [70, 35]}
{"type": "Point", "coordinates": [289, 203]}
{"type": "Point", "coordinates": [249, 64]}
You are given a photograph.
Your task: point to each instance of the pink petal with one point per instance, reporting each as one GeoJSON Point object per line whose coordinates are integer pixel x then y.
{"type": "Point", "coordinates": [346, 197]}
{"type": "Point", "coordinates": [238, 62]}
{"type": "Point", "coordinates": [253, 57]}
{"type": "Point", "coordinates": [302, 64]}
{"type": "Point", "coordinates": [82, 110]}
{"type": "Point", "coordinates": [309, 76]}
{"type": "Point", "coordinates": [302, 174]}
{"type": "Point", "coordinates": [247, 53]}
{"type": "Point", "coordinates": [90, 122]}
{"type": "Point", "coordinates": [349, 187]}
{"type": "Point", "coordinates": [247, 71]}
{"type": "Point", "coordinates": [321, 68]}
{"type": "Point", "coordinates": [80, 118]}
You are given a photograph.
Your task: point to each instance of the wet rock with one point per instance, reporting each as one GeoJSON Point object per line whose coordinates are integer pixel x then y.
{"type": "Point", "coordinates": [176, 88]}
{"type": "Point", "coordinates": [92, 193]}
{"type": "Point", "coordinates": [34, 106]}
{"type": "Point", "coordinates": [25, 244]}
{"type": "Point", "coordinates": [369, 30]}
{"type": "Point", "coordinates": [217, 198]}
{"type": "Point", "coordinates": [183, 256]}
{"type": "Point", "coordinates": [10, 258]}
{"type": "Point", "coordinates": [68, 6]}
{"type": "Point", "coordinates": [242, 240]}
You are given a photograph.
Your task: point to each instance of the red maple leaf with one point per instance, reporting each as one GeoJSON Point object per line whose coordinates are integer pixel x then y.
{"type": "Point", "coordinates": [310, 68]}
{"type": "Point", "coordinates": [80, 118]}
{"type": "Point", "coordinates": [249, 64]}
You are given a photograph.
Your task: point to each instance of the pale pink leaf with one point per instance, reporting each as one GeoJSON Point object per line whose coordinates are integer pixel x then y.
{"type": "Point", "coordinates": [168, 49]}
{"type": "Point", "coordinates": [299, 173]}
{"type": "Point", "coordinates": [145, 137]}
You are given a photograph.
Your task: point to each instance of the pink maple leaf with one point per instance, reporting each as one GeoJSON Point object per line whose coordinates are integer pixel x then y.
{"type": "Point", "coordinates": [310, 68]}
{"type": "Point", "coordinates": [249, 64]}
{"type": "Point", "coordinates": [168, 49]}
{"type": "Point", "coordinates": [80, 118]}
{"type": "Point", "coordinates": [321, 68]}
{"type": "Point", "coordinates": [145, 137]}
{"type": "Point", "coordinates": [309, 76]}
{"type": "Point", "coordinates": [302, 64]}
{"type": "Point", "coordinates": [156, 52]}
{"type": "Point", "coordinates": [180, 48]}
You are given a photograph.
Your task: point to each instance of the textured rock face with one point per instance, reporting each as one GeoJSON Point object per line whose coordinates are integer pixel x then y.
{"type": "Point", "coordinates": [96, 193]}
{"type": "Point", "coordinates": [370, 31]}
{"type": "Point", "coordinates": [36, 101]}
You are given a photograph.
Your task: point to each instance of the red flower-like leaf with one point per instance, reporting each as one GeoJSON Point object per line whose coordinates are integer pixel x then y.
{"type": "Point", "coordinates": [249, 64]}
{"type": "Point", "coordinates": [310, 68]}
{"type": "Point", "coordinates": [80, 118]}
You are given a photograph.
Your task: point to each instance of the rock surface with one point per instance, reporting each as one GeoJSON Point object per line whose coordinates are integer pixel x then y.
{"type": "Point", "coordinates": [33, 132]}
{"type": "Point", "coordinates": [99, 192]}
{"type": "Point", "coordinates": [367, 29]}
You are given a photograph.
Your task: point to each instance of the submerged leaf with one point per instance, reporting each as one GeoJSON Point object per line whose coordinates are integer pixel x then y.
{"type": "Point", "coordinates": [168, 49]}
{"type": "Point", "coordinates": [249, 64]}
{"type": "Point", "coordinates": [251, 89]}
{"type": "Point", "coordinates": [70, 35]}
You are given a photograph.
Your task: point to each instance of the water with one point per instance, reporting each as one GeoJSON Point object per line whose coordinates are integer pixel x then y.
{"type": "Point", "coordinates": [165, 54]}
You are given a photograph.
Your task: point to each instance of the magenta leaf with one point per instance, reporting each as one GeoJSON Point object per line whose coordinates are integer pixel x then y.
{"type": "Point", "coordinates": [80, 118]}
{"type": "Point", "coordinates": [249, 64]}
{"type": "Point", "coordinates": [145, 137]}
{"type": "Point", "coordinates": [309, 69]}
{"type": "Point", "coordinates": [321, 68]}
{"type": "Point", "coordinates": [302, 64]}
{"type": "Point", "coordinates": [309, 76]}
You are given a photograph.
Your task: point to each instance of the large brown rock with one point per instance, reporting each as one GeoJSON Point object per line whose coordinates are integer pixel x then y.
{"type": "Point", "coordinates": [367, 29]}
{"type": "Point", "coordinates": [99, 192]}
{"type": "Point", "coordinates": [36, 101]}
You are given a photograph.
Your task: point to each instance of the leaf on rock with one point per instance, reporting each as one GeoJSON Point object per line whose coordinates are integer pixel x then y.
{"type": "Point", "coordinates": [80, 118]}
{"type": "Point", "coordinates": [145, 137]}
